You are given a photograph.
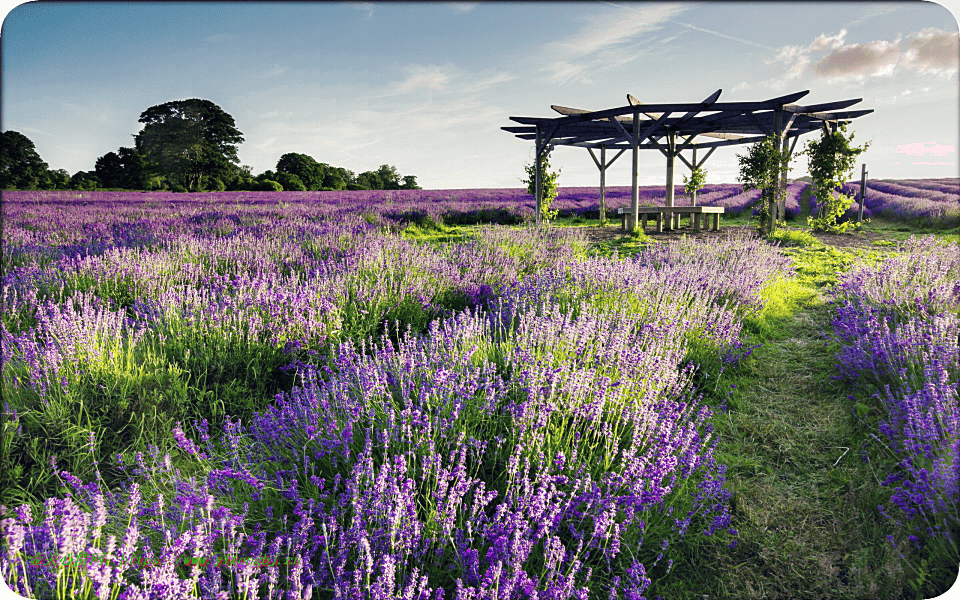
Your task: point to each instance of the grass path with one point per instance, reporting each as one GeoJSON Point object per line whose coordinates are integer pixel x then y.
{"type": "Point", "coordinates": [804, 502]}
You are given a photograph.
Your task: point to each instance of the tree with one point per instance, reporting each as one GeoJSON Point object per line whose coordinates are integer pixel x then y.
{"type": "Point", "coordinates": [693, 184]}
{"type": "Point", "coordinates": [831, 162]}
{"type": "Point", "coordinates": [308, 170]}
{"type": "Point", "coordinates": [57, 180]}
{"type": "Point", "coordinates": [290, 182]}
{"type": "Point", "coordinates": [85, 180]}
{"type": "Point", "coordinates": [188, 140]}
{"type": "Point", "coordinates": [109, 170]}
{"type": "Point", "coordinates": [20, 165]}
{"type": "Point", "coordinates": [389, 177]}
{"type": "Point", "coordinates": [759, 170]}
{"type": "Point", "coordinates": [123, 169]}
{"type": "Point", "coordinates": [239, 178]}
{"type": "Point", "coordinates": [337, 178]}
{"type": "Point", "coordinates": [410, 183]}
{"type": "Point", "coordinates": [369, 180]}
{"type": "Point", "coordinates": [267, 185]}
{"type": "Point", "coordinates": [133, 170]}
{"type": "Point", "coordinates": [548, 184]}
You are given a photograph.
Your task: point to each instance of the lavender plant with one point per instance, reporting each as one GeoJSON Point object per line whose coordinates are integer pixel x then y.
{"type": "Point", "coordinates": [898, 326]}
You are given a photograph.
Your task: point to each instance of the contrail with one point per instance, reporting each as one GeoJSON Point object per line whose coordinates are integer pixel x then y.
{"type": "Point", "coordinates": [694, 27]}
{"type": "Point", "coordinates": [725, 36]}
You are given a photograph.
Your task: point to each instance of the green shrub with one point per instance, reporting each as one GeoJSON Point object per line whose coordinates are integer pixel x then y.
{"type": "Point", "coordinates": [792, 237]}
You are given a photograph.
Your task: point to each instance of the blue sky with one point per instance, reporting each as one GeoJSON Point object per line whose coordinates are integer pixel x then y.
{"type": "Point", "coordinates": [426, 87]}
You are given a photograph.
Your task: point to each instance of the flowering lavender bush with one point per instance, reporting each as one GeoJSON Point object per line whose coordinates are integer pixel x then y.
{"type": "Point", "coordinates": [499, 417]}
{"type": "Point", "coordinates": [898, 325]}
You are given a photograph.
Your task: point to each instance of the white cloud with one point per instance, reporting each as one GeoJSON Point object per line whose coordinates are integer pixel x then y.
{"type": "Point", "coordinates": [32, 130]}
{"type": "Point", "coordinates": [877, 58]}
{"type": "Point", "coordinates": [931, 51]}
{"type": "Point", "coordinates": [462, 8]}
{"type": "Point", "coordinates": [600, 44]}
{"type": "Point", "coordinates": [365, 7]}
{"type": "Point", "coordinates": [613, 28]}
{"type": "Point", "coordinates": [424, 76]}
{"type": "Point", "coordinates": [265, 144]}
{"type": "Point", "coordinates": [276, 70]}
{"type": "Point", "coordinates": [492, 80]}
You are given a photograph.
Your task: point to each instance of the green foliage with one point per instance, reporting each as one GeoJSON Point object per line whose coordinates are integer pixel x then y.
{"type": "Point", "coordinates": [267, 185]}
{"type": "Point", "coordinates": [85, 180]}
{"type": "Point", "coordinates": [790, 237]}
{"type": "Point", "coordinates": [759, 170]}
{"type": "Point", "coordinates": [290, 182]}
{"type": "Point", "coordinates": [20, 166]}
{"type": "Point", "coordinates": [389, 177]}
{"type": "Point", "coordinates": [57, 180]}
{"type": "Point", "coordinates": [548, 184]}
{"type": "Point", "coordinates": [188, 141]}
{"type": "Point", "coordinates": [693, 183]}
{"type": "Point", "coordinates": [832, 159]}
{"type": "Point", "coordinates": [309, 172]}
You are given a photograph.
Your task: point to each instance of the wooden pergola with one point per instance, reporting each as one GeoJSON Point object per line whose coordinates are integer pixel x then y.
{"type": "Point", "coordinates": [673, 128]}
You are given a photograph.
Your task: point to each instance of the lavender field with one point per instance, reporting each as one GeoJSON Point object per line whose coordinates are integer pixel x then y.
{"type": "Point", "coordinates": [278, 395]}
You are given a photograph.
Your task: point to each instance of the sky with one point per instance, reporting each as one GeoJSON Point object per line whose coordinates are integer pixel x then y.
{"type": "Point", "coordinates": [427, 87]}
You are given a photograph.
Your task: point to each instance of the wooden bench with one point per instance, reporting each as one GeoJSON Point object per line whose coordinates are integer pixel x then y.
{"type": "Point", "coordinates": [698, 215]}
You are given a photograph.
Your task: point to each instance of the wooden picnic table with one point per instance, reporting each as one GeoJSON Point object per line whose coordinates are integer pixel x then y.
{"type": "Point", "coordinates": [698, 215]}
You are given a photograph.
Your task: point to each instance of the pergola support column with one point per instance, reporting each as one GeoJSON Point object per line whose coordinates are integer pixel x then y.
{"type": "Point", "coordinates": [602, 164]}
{"type": "Point", "coordinates": [634, 194]}
{"type": "Point", "coordinates": [538, 178]}
{"type": "Point", "coordinates": [671, 155]}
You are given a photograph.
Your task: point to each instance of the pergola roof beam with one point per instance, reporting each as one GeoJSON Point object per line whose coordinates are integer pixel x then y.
{"type": "Point", "coordinates": [821, 107]}
{"type": "Point", "coordinates": [661, 108]}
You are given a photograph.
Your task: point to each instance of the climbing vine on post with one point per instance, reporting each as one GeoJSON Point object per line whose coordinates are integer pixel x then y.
{"type": "Point", "coordinates": [548, 184]}
{"type": "Point", "coordinates": [759, 170]}
{"type": "Point", "coordinates": [693, 184]}
{"type": "Point", "coordinates": [832, 159]}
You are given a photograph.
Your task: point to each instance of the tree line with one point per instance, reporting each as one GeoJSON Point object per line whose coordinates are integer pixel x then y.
{"type": "Point", "coordinates": [185, 146]}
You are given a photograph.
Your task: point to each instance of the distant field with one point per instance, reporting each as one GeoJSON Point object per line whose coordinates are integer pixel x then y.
{"type": "Point", "coordinates": [930, 202]}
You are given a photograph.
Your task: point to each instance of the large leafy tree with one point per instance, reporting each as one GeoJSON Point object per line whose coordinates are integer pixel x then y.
{"type": "Point", "coordinates": [188, 141]}
{"type": "Point", "coordinates": [20, 165]}
{"type": "Point", "coordinates": [308, 170]}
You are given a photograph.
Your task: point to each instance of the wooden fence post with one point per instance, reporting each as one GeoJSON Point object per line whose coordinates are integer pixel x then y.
{"type": "Point", "coordinates": [863, 193]}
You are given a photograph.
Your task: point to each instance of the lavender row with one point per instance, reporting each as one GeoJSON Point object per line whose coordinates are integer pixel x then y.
{"type": "Point", "coordinates": [898, 324]}
{"type": "Point", "coordinates": [908, 189]}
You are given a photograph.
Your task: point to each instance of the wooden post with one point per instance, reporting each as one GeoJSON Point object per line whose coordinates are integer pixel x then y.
{"type": "Point", "coordinates": [671, 154]}
{"type": "Point", "coordinates": [773, 204]}
{"type": "Point", "coordinates": [603, 186]}
{"type": "Point", "coordinates": [634, 196]}
{"type": "Point", "coordinates": [783, 176]}
{"type": "Point", "coordinates": [863, 193]}
{"type": "Point", "coordinates": [538, 179]}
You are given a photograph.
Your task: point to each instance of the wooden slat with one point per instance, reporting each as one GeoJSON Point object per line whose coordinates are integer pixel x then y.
{"type": "Point", "coordinates": [821, 107]}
